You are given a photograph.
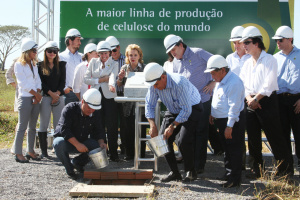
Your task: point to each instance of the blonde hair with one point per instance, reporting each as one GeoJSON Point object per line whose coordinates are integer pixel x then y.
{"type": "Point", "coordinates": [134, 47]}
{"type": "Point", "coordinates": [24, 58]}
{"type": "Point", "coordinates": [45, 64]}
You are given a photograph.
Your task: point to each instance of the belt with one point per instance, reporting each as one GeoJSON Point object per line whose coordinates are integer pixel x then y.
{"type": "Point", "coordinates": [286, 94]}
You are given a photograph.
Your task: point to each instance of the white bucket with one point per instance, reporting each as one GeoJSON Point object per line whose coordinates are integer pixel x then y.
{"type": "Point", "coordinates": [99, 158]}
{"type": "Point", "coordinates": [158, 146]}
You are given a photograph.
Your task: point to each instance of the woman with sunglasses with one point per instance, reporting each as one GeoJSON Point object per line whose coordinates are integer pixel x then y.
{"type": "Point", "coordinates": [53, 78]}
{"type": "Point", "coordinates": [102, 74]}
{"type": "Point", "coordinates": [29, 85]}
{"type": "Point", "coordinates": [134, 63]}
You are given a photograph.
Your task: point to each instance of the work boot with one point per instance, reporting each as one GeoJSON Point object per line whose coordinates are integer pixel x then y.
{"type": "Point", "coordinates": [43, 144]}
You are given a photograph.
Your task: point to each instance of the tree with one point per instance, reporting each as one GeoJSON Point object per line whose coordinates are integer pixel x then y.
{"type": "Point", "coordinates": [10, 38]}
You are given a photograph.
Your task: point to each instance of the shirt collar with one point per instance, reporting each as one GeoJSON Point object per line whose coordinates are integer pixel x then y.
{"type": "Point", "coordinates": [293, 50]}
{"type": "Point", "coordinates": [226, 78]}
{"type": "Point", "coordinates": [262, 54]}
{"type": "Point", "coordinates": [187, 53]}
{"type": "Point", "coordinates": [69, 52]}
{"type": "Point", "coordinates": [138, 68]}
{"type": "Point", "coordinates": [169, 85]}
{"type": "Point", "coordinates": [91, 115]}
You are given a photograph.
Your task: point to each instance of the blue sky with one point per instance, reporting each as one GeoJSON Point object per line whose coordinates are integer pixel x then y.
{"type": "Point", "coordinates": [19, 12]}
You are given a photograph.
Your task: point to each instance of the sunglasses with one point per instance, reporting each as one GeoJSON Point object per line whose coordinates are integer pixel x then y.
{"type": "Point", "coordinates": [34, 50]}
{"type": "Point", "coordinates": [52, 51]}
{"type": "Point", "coordinates": [247, 42]}
{"type": "Point", "coordinates": [278, 40]}
{"type": "Point", "coordinates": [115, 50]}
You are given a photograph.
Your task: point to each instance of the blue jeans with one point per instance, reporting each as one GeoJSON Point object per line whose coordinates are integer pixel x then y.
{"type": "Point", "coordinates": [202, 136]}
{"type": "Point", "coordinates": [63, 148]}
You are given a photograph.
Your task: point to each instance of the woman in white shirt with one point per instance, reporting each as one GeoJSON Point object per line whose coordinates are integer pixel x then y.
{"type": "Point", "coordinates": [29, 85]}
{"type": "Point", "coordinates": [101, 74]}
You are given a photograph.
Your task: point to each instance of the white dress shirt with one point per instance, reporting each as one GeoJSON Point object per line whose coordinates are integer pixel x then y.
{"type": "Point", "coordinates": [235, 63]}
{"type": "Point", "coordinates": [78, 83]}
{"type": "Point", "coordinates": [261, 78]}
{"type": "Point", "coordinates": [72, 61]}
{"type": "Point", "coordinates": [27, 80]}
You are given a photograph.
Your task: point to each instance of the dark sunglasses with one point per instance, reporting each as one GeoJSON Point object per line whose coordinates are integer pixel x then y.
{"type": "Point", "coordinates": [115, 50]}
{"type": "Point", "coordinates": [34, 50]}
{"type": "Point", "coordinates": [51, 51]}
{"type": "Point", "coordinates": [278, 40]}
{"type": "Point", "coordinates": [247, 42]}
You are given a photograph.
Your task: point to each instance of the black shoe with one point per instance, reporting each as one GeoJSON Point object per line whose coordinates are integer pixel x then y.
{"type": "Point", "coordinates": [21, 161]}
{"type": "Point", "coordinates": [128, 158]}
{"type": "Point", "coordinates": [200, 171]}
{"type": "Point", "coordinates": [172, 177]}
{"type": "Point", "coordinates": [224, 177]}
{"type": "Point", "coordinates": [114, 159]}
{"type": "Point", "coordinates": [190, 176]}
{"type": "Point", "coordinates": [30, 157]}
{"type": "Point", "coordinates": [179, 159]}
{"type": "Point", "coordinates": [79, 168]}
{"type": "Point", "coordinates": [252, 175]}
{"type": "Point", "coordinates": [230, 185]}
{"type": "Point", "coordinates": [218, 153]}
{"type": "Point", "coordinates": [73, 176]}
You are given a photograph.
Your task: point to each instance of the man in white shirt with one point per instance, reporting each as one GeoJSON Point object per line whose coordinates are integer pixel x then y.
{"type": "Point", "coordinates": [259, 75]}
{"type": "Point", "coordinates": [73, 58]}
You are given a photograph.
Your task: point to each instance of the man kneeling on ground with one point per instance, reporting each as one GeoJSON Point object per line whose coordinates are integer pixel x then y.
{"type": "Point", "coordinates": [79, 131]}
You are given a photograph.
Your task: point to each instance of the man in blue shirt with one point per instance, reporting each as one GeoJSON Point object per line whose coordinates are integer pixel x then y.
{"type": "Point", "coordinates": [191, 63]}
{"type": "Point", "coordinates": [288, 60]}
{"type": "Point", "coordinates": [79, 131]}
{"type": "Point", "coordinates": [183, 102]}
{"type": "Point", "coordinates": [227, 112]}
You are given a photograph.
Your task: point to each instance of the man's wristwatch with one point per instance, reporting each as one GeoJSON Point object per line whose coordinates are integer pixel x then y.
{"type": "Point", "coordinates": [229, 127]}
{"type": "Point", "coordinates": [255, 99]}
{"type": "Point", "coordinates": [174, 125]}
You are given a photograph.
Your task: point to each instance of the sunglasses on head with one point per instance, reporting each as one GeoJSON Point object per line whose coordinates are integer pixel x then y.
{"type": "Point", "coordinates": [34, 50]}
{"type": "Point", "coordinates": [51, 51]}
{"type": "Point", "coordinates": [278, 40]}
{"type": "Point", "coordinates": [247, 42]}
{"type": "Point", "coordinates": [115, 50]}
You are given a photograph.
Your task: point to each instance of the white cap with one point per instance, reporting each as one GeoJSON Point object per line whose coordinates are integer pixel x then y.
{"type": "Point", "coordinates": [250, 32]}
{"type": "Point", "coordinates": [51, 44]}
{"type": "Point", "coordinates": [27, 44]}
{"type": "Point", "coordinates": [103, 46]}
{"type": "Point", "coordinates": [73, 32]}
{"type": "Point", "coordinates": [215, 62]}
{"type": "Point", "coordinates": [93, 98]}
{"type": "Point", "coordinates": [112, 41]}
{"type": "Point", "coordinates": [170, 41]}
{"type": "Point", "coordinates": [152, 72]}
{"type": "Point", "coordinates": [283, 32]}
{"type": "Point", "coordinates": [89, 48]}
{"type": "Point", "coordinates": [236, 33]}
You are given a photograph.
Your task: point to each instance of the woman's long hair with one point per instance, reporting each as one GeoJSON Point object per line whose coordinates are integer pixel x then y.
{"type": "Point", "coordinates": [134, 47]}
{"type": "Point", "coordinates": [24, 58]}
{"type": "Point", "coordinates": [45, 64]}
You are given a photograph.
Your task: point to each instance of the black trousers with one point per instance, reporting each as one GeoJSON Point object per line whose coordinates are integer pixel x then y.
{"type": "Point", "coordinates": [122, 122]}
{"type": "Point", "coordinates": [234, 148]}
{"type": "Point", "coordinates": [290, 120]}
{"type": "Point", "coordinates": [110, 122]}
{"type": "Point", "coordinates": [186, 138]}
{"type": "Point", "coordinates": [268, 120]}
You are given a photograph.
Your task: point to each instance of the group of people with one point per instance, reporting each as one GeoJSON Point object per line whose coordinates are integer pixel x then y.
{"type": "Point", "coordinates": [249, 90]}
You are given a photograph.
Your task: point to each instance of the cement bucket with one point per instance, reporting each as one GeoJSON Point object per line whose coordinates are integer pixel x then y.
{"type": "Point", "coordinates": [99, 158]}
{"type": "Point", "coordinates": [158, 146]}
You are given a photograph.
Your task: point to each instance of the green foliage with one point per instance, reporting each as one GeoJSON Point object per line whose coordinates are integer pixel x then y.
{"type": "Point", "coordinates": [10, 38]}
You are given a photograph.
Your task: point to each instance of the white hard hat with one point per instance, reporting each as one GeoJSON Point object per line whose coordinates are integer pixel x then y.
{"type": "Point", "coordinates": [93, 98]}
{"type": "Point", "coordinates": [89, 48]}
{"type": "Point", "coordinates": [236, 33]}
{"type": "Point", "coordinates": [170, 41]}
{"type": "Point", "coordinates": [27, 44]}
{"type": "Point", "coordinates": [215, 62]}
{"type": "Point", "coordinates": [152, 72]}
{"type": "Point", "coordinates": [51, 44]}
{"type": "Point", "coordinates": [73, 32]}
{"type": "Point", "coordinates": [112, 41]}
{"type": "Point", "coordinates": [250, 32]}
{"type": "Point", "coordinates": [283, 32]}
{"type": "Point", "coordinates": [103, 46]}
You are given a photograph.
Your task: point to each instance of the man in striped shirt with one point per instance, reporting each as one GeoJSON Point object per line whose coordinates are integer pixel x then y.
{"type": "Point", "coordinates": [184, 108]}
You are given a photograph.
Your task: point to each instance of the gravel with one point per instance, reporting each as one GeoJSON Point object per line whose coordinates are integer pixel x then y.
{"type": "Point", "coordinates": [46, 179]}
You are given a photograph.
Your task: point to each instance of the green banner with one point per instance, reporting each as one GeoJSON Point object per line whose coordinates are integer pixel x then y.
{"type": "Point", "coordinates": [204, 24]}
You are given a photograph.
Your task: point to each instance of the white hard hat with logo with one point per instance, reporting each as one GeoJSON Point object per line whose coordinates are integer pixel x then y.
{"type": "Point", "coordinates": [170, 41]}
{"type": "Point", "coordinates": [152, 73]}
{"type": "Point", "coordinates": [283, 32]}
{"type": "Point", "coordinates": [250, 32]}
{"type": "Point", "coordinates": [51, 44]}
{"type": "Point", "coordinates": [73, 32]}
{"type": "Point", "coordinates": [236, 33]}
{"type": "Point", "coordinates": [112, 41]}
{"type": "Point", "coordinates": [93, 98]}
{"type": "Point", "coordinates": [27, 44]}
{"type": "Point", "coordinates": [215, 62]}
{"type": "Point", "coordinates": [89, 48]}
{"type": "Point", "coordinates": [103, 46]}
